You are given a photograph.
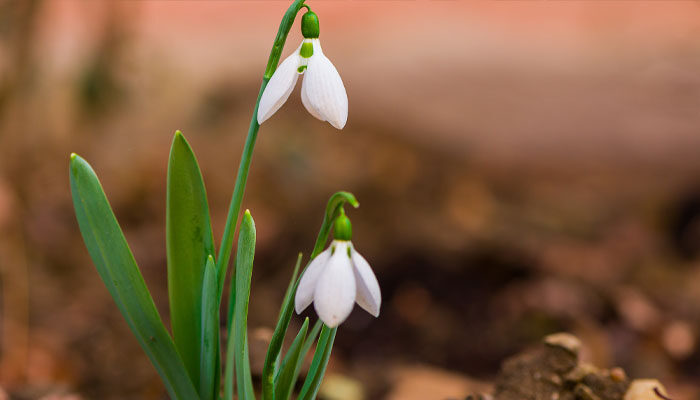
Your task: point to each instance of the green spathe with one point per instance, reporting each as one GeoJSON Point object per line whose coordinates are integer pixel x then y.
{"type": "Point", "coordinates": [342, 229]}
{"type": "Point", "coordinates": [309, 25]}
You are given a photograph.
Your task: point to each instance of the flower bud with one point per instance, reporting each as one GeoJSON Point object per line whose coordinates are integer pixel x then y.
{"type": "Point", "coordinates": [309, 25]}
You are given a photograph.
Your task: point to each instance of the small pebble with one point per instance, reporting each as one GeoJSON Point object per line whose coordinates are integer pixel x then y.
{"type": "Point", "coordinates": [583, 392]}
{"type": "Point", "coordinates": [617, 374]}
{"type": "Point", "coordinates": [564, 340]}
{"type": "Point", "coordinates": [555, 380]}
{"type": "Point", "coordinates": [646, 389]}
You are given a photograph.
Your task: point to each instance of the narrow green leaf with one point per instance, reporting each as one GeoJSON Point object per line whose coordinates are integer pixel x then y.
{"type": "Point", "coordinates": [310, 339]}
{"type": "Point", "coordinates": [117, 268]}
{"type": "Point", "coordinates": [275, 346]}
{"type": "Point", "coordinates": [291, 289]}
{"type": "Point", "coordinates": [319, 364]}
{"type": "Point", "coordinates": [278, 362]}
{"type": "Point", "coordinates": [244, 271]}
{"type": "Point", "coordinates": [284, 381]}
{"type": "Point", "coordinates": [308, 342]}
{"type": "Point", "coordinates": [229, 371]}
{"type": "Point", "coordinates": [312, 336]}
{"type": "Point", "coordinates": [210, 333]}
{"type": "Point", "coordinates": [189, 242]}
{"type": "Point", "coordinates": [247, 378]}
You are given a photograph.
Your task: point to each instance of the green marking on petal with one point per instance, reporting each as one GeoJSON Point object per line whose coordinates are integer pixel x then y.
{"type": "Point", "coordinates": [307, 50]}
{"type": "Point", "coordinates": [301, 69]}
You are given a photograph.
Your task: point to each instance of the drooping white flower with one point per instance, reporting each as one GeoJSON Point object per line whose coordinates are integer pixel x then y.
{"type": "Point", "coordinates": [334, 281]}
{"type": "Point", "coordinates": [322, 90]}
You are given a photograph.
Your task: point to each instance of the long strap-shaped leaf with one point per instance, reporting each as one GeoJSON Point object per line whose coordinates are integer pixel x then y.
{"type": "Point", "coordinates": [189, 241]}
{"type": "Point", "coordinates": [229, 369]}
{"type": "Point", "coordinates": [319, 364]}
{"type": "Point", "coordinates": [243, 274]}
{"type": "Point", "coordinates": [310, 339]}
{"type": "Point", "coordinates": [284, 380]}
{"type": "Point", "coordinates": [210, 334]}
{"type": "Point", "coordinates": [273, 350]}
{"type": "Point", "coordinates": [117, 267]}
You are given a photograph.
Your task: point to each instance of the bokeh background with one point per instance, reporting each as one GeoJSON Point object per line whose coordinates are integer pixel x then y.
{"type": "Point", "coordinates": [524, 167]}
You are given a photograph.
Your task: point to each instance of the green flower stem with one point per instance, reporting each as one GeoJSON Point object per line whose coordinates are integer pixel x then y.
{"type": "Point", "coordinates": [238, 190]}
{"type": "Point", "coordinates": [222, 261]}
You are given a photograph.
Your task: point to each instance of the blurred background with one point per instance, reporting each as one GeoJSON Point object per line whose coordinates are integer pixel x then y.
{"type": "Point", "coordinates": [523, 168]}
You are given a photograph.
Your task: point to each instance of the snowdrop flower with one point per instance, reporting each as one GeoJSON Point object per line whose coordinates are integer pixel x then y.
{"type": "Point", "coordinates": [322, 90]}
{"type": "Point", "coordinates": [337, 278]}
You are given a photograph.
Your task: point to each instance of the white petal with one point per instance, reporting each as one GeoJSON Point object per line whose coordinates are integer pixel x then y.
{"type": "Point", "coordinates": [307, 284]}
{"type": "Point", "coordinates": [307, 104]}
{"type": "Point", "coordinates": [369, 296]}
{"type": "Point", "coordinates": [324, 90]}
{"type": "Point", "coordinates": [335, 290]}
{"type": "Point", "coordinates": [279, 87]}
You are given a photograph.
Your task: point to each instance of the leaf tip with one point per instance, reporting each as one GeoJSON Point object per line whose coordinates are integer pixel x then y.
{"type": "Point", "coordinates": [179, 137]}
{"type": "Point", "coordinates": [248, 221]}
{"type": "Point", "coordinates": [76, 163]}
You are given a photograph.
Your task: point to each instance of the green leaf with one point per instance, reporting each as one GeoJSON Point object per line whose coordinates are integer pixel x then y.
{"type": "Point", "coordinates": [244, 271]}
{"type": "Point", "coordinates": [306, 346]}
{"type": "Point", "coordinates": [310, 339]}
{"type": "Point", "coordinates": [275, 346]}
{"type": "Point", "coordinates": [189, 242]}
{"type": "Point", "coordinates": [210, 333]}
{"type": "Point", "coordinates": [319, 364]}
{"type": "Point", "coordinates": [229, 371]}
{"type": "Point", "coordinates": [284, 381]}
{"type": "Point", "coordinates": [117, 268]}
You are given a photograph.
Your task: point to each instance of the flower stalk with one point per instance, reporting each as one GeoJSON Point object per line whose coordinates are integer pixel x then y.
{"type": "Point", "coordinates": [247, 156]}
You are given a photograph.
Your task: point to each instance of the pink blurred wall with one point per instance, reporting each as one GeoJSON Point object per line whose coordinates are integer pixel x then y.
{"type": "Point", "coordinates": [502, 80]}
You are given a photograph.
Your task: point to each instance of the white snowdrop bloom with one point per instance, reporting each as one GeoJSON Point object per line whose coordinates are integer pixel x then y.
{"type": "Point", "coordinates": [322, 91]}
{"type": "Point", "coordinates": [334, 281]}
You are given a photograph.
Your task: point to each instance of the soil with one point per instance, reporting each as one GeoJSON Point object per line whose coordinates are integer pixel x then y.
{"type": "Point", "coordinates": [552, 371]}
